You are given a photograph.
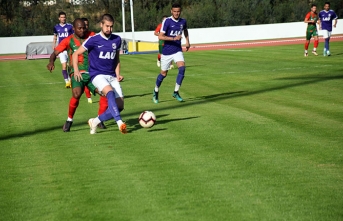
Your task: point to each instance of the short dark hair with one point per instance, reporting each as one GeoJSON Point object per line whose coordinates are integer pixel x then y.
{"type": "Point", "coordinates": [176, 5]}
{"type": "Point", "coordinates": [327, 3]}
{"type": "Point", "coordinates": [62, 13]}
{"type": "Point", "coordinates": [313, 5]}
{"type": "Point", "coordinates": [76, 21]}
{"type": "Point", "coordinates": [84, 19]}
{"type": "Point", "coordinates": [107, 17]}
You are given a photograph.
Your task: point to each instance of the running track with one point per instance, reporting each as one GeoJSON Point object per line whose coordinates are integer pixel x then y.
{"type": "Point", "coordinates": [217, 46]}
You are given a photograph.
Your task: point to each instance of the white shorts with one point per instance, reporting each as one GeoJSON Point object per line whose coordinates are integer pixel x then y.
{"type": "Point", "coordinates": [326, 33]}
{"type": "Point", "coordinates": [167, 59]}
{"type": "Point", "coordinates": [101, 81]}
{"type": "Point", "coordinates": [63, 57]}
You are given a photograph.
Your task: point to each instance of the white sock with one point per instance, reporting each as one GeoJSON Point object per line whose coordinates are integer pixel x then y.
{"type": "Point", "coordinates": [89, 99]}
{"type": "Point", "coordinates": [119, 122]}
{"type": "Point", "coordinates": [156, 89]}
{"type": "Point", "coordinates": [69, 119]}
{"type": "Point", "coordinates": [177, 87]}
{"type": "Point", "coordinates": [95, 122]}
{"type": "Point", "coordinates": [66, 80]}
{"type": "Point", "coordinates": [305, 51]}
{"type": "Point", "coordinates": [314, 49]}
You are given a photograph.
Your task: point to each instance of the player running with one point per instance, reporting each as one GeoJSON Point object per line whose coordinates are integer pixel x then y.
{"type": "Point", "coordinates": [104, 69]}
{"type": "Point", "coordinates": [311, 19]}
{"type": "Point", "coordinates": [326, 17]}
{"type": "Point", "coordinates": [171, 33]}
{"type": "Point", "coordinates": [61, 31]}
{"type": "Point", "coordinates": [70, 44]}
{"type": "Point", "coordinates": [160, 44]}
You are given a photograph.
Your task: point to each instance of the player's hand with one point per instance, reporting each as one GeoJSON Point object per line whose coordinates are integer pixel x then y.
{"type": "Point", "coordinates": [50, 67]}
{"type": "Point", "coordinates": [120, 78]}
{"type": "Point", "coordinates": [188, 46]}
{"type": "Point", "coordinates": [334, 26]}
{"type": "Point", "coordinates": [77, 76]}
{"type": "Point", "coordinates": [178, 37]}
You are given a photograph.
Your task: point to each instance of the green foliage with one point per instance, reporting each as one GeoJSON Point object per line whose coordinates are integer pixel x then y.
{"type": "Point", "coordinates": [38, 18]}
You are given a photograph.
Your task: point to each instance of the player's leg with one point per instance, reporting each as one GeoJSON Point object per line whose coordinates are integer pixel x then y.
{"type": "Point", "coordinates": [63, 59]}
{"type": "Point", "coordinates": [77, 89]}
{"type": "Point", "coordinates": [88, 95]}
{"type": "Point", "coordinates": [307, 43]}
{"type": "Point", "coordinates": [326, 41]}
{"type": "Point", "coordinates": [180, 61]}
{"type": "Point", "coordinates": [315, 45]}
{"type": "Point", "coordinates": [328, 44]}
{"type": "Point", "coordinates": [104, 84]}
{"type": "Point", "coordinates": [160, 48]}
{"type": "Point", "coordinates": [165, 62]}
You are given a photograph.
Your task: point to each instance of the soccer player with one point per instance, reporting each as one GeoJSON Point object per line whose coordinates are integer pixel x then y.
{"type": "Point", "coordinates": [171, 32]}
{"type": "Point", "coordinates": [104, 69]}
{"type": "Point", "coordinates": [311, 19]}
{"type": "Point", "coordinates": [61, 31]}
{"type": "Point", "coordinates": [326, 17]}
{"type": "Point", "coordinates": [160, 43]}
{"type": "Point", "coordinates": [69, 44]}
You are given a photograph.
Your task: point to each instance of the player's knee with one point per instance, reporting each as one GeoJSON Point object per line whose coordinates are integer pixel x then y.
{"type": "Point", "coordinates": [77, 93]}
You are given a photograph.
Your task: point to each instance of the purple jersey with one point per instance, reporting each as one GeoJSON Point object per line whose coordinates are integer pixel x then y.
{"type": "Point", "coordinates": [172, 28]}
{"type": "Point", "coordinates": [63, 31]}
{"type": "Point", "coordinates": [102, 54]}
{"type": "Point", "coordinates": [326, 18]}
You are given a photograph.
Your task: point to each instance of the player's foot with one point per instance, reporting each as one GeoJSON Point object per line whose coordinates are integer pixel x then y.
{"type": "Point", "coordinates": [171, 66]}
{"type": "Point", "coordinates": [155, 97]}
{"type": "Point", "coordinates": [68, 84]}
{"type": "Point", "coordinates": [315, 53]}
{"type": "Point", "coordinates": [306, 54]}
{"type": "Point", "coordinates": [93, 129]}
{"type": "Point", "coordinates": [101, 125]}
{"type": "Point", "coordinates": [90, 100]}
{"type": "Point", "coordinates": [67, 125]}
{"type": "Point", "coordinates": [158, 63]}
{"type": "Point", "coordinates": [177, 96]}
{"type": "Point", "coordinates": [324, 53]}
{"type": "Point", "coordinates": [122, 128]}
{"type": "Point", "coordinates": [328, 53]}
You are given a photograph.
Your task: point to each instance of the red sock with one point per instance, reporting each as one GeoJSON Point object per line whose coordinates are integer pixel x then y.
{"type": "Point", "coordinates": [102, 105]}
{"type": "Point", "coordinates": [159, 57]}
{"type": "Point", "coordinates": [316, 43]}
{"type": "Point", "coordinates": [87, 92]}
{"type": "Point", "coordinates": [73, 104]}
{"type": "Point", "coordinates": [306, 45]}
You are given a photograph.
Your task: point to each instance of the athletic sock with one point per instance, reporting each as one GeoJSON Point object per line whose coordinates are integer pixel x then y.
{"type": "Point", "coordinates": [306, 45]}
{"type": "Point", "coordinates": [102, 105]}
{"type": "Point", "coordinates": [87, 92]}
{"type": "Point", "coordinates": [316, 43]}
{"type": "Point", "coordinates": [73, 104]}
{"type": "Point", "coordinates": [65, 75]}
{"type": "Point", "coordinates": [159, 80]}
{"type": "Point", "coordinates": [327, 43]}
{"type": "Point", "coordinates": [112, 105]}
{"type": "Point", "coordinates": [180, 75]}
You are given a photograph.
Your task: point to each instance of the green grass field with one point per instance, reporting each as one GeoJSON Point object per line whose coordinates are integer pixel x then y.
{"type": "Point", "coordinates": [259, 137]}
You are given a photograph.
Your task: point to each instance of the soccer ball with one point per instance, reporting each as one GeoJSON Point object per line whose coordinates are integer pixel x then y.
{"type": "Point", "coordinates": [147, 119]}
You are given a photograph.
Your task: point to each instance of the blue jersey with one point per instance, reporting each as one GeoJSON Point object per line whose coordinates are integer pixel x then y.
{"type": "Point", "coordinates": [63, 31]}
{"type": "Point", "coordinates": [172, 28]}
{"type": "Point", "coordinates": [102, 54]}
{"type": "Point", "coordinates": [326, 18]}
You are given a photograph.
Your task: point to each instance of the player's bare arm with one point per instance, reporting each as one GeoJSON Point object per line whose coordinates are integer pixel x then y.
{"type": "Point", "coordinates": [188, 45]}
{"type": "Point", "coordinates": [75, 56]}
{"type": "Point", "coordinates": [53, 56]}
{"type": "Point", "coordinates": [117, 70]}
{"type": "Point", "coordinates": [163, 37]}
{"type": "Point", "coordinates": [54, 41]}
{"type": "Point", "coordinates": [334, 23]}
{"type": "Point", "coordinates": [156, 33]}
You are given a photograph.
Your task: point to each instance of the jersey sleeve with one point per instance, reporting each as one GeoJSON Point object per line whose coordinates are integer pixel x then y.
{"type": "Point", "coordinates": [88, 43]}
{"type": "Point", "coordinates": [164, 26]}
{"type": "Point", "coordinates": [308, 16]}
{"type": "Point", "coordinates": [63, 45]}
{"type": "Point", "coordinates": [158, 28]}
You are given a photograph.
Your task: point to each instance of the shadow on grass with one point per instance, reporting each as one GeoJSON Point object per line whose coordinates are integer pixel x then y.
{"type": "Point", "coordinates": [133, 122]}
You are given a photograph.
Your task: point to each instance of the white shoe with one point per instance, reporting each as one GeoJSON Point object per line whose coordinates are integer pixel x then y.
{"type": "Point", "coordinates": [158, 63]}
{"type": "Point", "coordinates": [90, 100]}
{"type": "Point", "coordinates": [171, 66]}
{"type": "Point", "coordinates": [315, 53]}
{"type": "Point", "coordinates": [93, 129]}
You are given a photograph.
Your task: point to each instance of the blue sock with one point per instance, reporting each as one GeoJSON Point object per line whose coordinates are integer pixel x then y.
{"type": "Point", "coordinates": [159, 80]}
{"type": "Point", "coordinates": [106, 115]}
{"type": "Point", "coordinates": [65, 74]}
{"type": "Point", "coordinates": [180, 75]}
{"type": "Point", "coordinates": [327, 43]}
{"type": "Point", "coordinates": [112, 105]}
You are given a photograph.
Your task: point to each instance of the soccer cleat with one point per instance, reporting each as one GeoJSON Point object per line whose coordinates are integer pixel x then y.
{"type": "Point", "coordinates": [123, 129]}
{"type": "Point", "coordinates": [328, 53]}
{"type": "Point", "coordinates": [68, 84]}
{"type": "Point", "coordinates": [324, 53]}
{"type": "Point", "coordinates": [67, 125]}
{"type": "Point", "coordinates": [90, 100]}
{"type": "Point", "coordinates": [177, 96]}
{"type": "Point", "coordinates": [155, 97]}
{"type": "Point", "coordinates": [171, 66]}
{"type": "Point", "coordinates": [101, 125]}
{"type": "Point", "coordinates": [158, 63]}
{"type": "Point", "coordinates": [315, 53]}
{"type": "Point", "coordinates": [306, 54]}
{"type": "Point", "coordinates": [93, 129]}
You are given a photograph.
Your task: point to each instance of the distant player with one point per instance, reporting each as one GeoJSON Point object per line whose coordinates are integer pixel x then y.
{"type": "Point", "coordinates": [61, 31]}
{"type": "Point", "coordinates": [311, 19]}
{"type": "Point", "coordinates": [171, 32]}
{"type": "Point", "coordinates": [104, 69]}
{"type": "Point", "coordinates": [160, 43]}
{"type": "Point", "coordinates": [69, 44]}
{"type": "Point", "coordinates": [326, 17]}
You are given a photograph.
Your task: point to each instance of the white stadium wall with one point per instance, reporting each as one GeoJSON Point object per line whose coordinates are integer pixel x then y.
{"type": "Point", "coordinates": [14, 45]}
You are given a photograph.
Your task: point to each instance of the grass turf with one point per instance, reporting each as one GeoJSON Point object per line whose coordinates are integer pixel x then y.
{"type": "Point", "coordinates": [259, 137]}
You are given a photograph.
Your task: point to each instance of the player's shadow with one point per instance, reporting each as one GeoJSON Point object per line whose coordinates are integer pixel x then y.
{"type": "Point", "coordinates": [134, 124]}
{"type": "Point", "coordinates": [137, 95]}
